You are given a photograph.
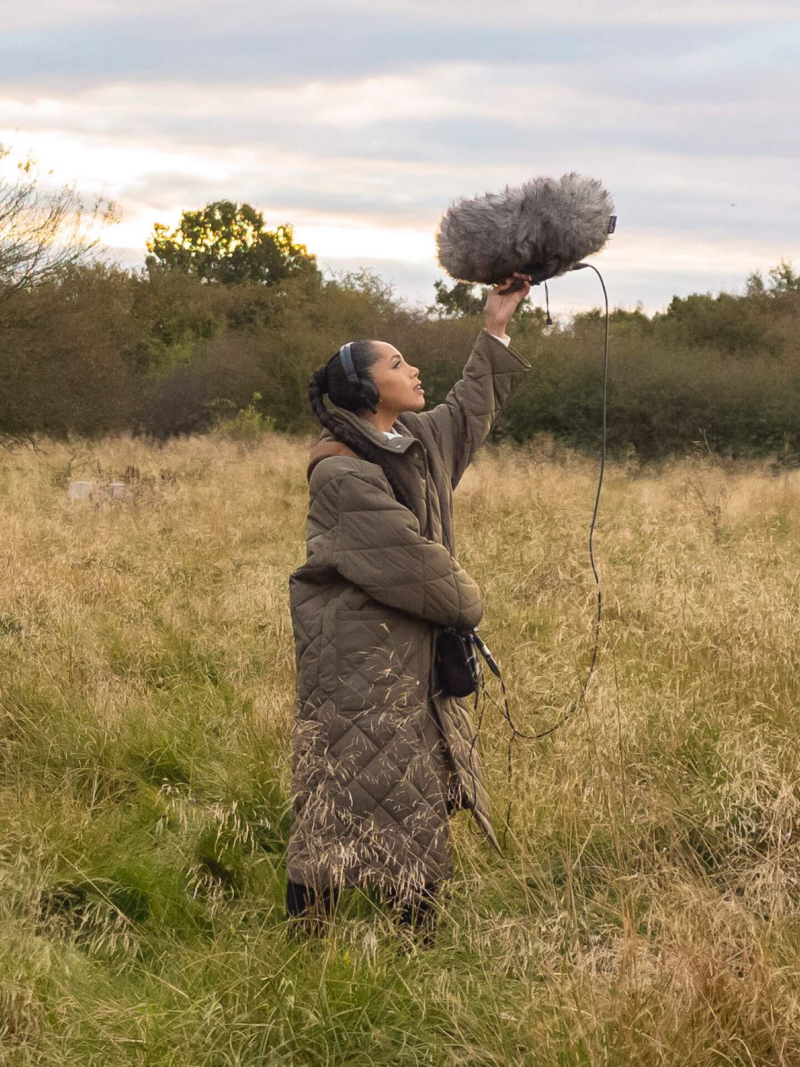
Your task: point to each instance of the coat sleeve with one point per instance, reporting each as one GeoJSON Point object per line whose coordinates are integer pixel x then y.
{"type": "Point", "coordinates": [461, 423]}
{"type": "Point", "coordinates": [378, 546]}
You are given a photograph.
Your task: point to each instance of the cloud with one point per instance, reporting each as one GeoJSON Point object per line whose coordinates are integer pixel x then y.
{"type": "Point", "coordinates": [298, 43]}
{"type": "Point", "coordinates": [359, 123]}
{"type": "Point", "coordinates": [518, 14]}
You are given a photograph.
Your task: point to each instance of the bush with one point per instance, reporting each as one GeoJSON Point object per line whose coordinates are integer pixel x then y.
{"type": "Point", "coordinates": [162, 354]}
{"type": "Point", "coordinates": [247, 425]}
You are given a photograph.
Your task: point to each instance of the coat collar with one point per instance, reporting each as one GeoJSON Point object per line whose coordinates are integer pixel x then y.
{"type": "Point", "coordinates": [326, 444]}
{"type": "Point", "coordinates": [372, 433]}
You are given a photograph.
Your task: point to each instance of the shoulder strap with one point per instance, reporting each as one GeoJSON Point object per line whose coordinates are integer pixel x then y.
{"type": "Point", "coordinates": [324, 450]}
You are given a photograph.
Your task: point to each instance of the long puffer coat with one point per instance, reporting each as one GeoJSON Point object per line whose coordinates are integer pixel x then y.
{"type": "Point", "coordinates": [380, 756]}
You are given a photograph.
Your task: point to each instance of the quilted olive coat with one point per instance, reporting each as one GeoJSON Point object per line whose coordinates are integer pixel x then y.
{"type": "Point", "coordinates": [380, 756]}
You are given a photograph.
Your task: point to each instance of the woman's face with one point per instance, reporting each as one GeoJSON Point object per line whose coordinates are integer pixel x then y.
{"type": "Point", "coordinates": [398, 381]}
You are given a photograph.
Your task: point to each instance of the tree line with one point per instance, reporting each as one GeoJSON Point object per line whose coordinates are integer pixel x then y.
{"type": "Point", "coordinates": [227, 319]}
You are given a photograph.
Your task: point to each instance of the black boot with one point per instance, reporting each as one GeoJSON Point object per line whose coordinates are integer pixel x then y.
{"type": "Point", "coordinates": [418, 916]}
{"type": "Point", "coordinates": [308, 911]}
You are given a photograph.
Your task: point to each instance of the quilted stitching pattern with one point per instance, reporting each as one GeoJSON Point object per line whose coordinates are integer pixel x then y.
{"type": "Point", "coordinates": [379, 579]}
{"type": "Point", "coordinates": [379, 547]}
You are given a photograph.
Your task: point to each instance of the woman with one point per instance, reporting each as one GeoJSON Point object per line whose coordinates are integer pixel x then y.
{"type": "Point", "coordinates": [381, 756]}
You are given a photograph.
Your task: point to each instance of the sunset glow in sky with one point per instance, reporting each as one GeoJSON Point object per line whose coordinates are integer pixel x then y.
{"type": "Point", "coordinates": [360, 123]}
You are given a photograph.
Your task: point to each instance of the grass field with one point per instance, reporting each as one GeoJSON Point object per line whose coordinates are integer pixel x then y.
{"type": "Point", "coordinates": [646, 911]}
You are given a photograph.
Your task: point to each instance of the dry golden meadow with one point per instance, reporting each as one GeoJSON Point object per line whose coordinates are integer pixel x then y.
{"type": "Point", "coordinates": [646, 911]}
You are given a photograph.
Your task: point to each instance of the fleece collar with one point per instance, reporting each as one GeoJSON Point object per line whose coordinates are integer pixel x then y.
{"type": "Point", "coordinates": [373, 434]}
{"type": "Point", "coordinates": [326, 445]}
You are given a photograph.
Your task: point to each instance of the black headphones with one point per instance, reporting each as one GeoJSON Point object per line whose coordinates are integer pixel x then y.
{"type": "Point", "coordinates": [365, 386]}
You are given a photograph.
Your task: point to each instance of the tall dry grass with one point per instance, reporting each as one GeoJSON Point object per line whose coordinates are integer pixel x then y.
{"type": "Point", "coordinates": [646, 911]}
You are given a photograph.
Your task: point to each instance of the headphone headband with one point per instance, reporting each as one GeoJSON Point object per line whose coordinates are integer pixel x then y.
{"type": "Point", "coordinates": [363, 386]}
{"type": "Point", "coordinates": [347, 363]}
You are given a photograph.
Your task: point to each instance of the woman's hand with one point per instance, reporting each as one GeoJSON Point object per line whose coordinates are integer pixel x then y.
{"type": "Point", "coordinates": [501, 305]}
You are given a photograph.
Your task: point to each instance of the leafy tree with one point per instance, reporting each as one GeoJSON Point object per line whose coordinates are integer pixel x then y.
{"type": "Point", "coordinates": [783, 278]}
{"type": "Point", "coordinates": [227, 242]}
{"type": "Point", "coordinates": [458, 300]}
{"type": "Point", "coordinates": [754, 287]}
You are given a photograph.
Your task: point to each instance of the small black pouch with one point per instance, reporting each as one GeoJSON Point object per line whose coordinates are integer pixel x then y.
{"type": "Point", "coordinates": [458, 670]}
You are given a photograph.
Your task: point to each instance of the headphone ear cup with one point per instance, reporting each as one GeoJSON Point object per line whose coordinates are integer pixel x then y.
{"type": "Point", "coordinates": [369, 391]}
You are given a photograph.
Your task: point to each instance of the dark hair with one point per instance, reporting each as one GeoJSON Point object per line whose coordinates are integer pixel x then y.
{"type": "Point", "coordinates": [331, 379]}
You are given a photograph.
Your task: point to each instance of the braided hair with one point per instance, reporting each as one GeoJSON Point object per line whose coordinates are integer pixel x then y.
{"type": "Point", "coordinates": [331, 379]}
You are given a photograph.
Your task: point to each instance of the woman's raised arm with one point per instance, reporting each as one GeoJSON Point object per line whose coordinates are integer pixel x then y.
{"type": "Point", "coordinates": [461, 423]}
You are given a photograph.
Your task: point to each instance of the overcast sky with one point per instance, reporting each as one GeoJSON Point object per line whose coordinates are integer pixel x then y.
{"type": "Point", "coordinates": [359, 123]}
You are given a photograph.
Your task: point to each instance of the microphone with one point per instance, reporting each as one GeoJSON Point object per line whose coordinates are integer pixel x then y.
{"type": "Point", "coordinates": [518, 283]}
{"type": "Point", "coordinates": [542, 228]}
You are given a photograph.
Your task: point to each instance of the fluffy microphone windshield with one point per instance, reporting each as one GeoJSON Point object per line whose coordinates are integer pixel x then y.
{"type": "Point", "coordinates": [541, 228]}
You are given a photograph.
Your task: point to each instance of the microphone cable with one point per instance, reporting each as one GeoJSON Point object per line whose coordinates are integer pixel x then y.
{"type": "Point", "coordinates": [581, 699]}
